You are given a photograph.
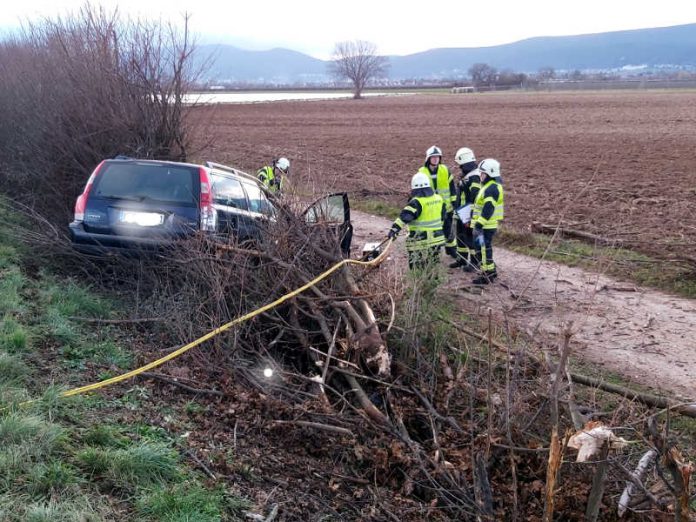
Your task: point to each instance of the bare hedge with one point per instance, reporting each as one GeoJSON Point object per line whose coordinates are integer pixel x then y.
{"type": "Point", "coordinates": [79, 89]}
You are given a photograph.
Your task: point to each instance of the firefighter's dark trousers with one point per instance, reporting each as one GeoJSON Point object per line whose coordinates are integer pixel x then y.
{"type": "Point", "coordinates": [466, 252]}
{"type": "Point", "coordinates": [485, 255]}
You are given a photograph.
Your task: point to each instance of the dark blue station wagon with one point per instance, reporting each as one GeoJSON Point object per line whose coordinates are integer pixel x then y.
{"type": "Point", "coordinates": [130, 204]}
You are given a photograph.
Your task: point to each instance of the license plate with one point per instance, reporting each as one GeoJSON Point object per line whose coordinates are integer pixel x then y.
{"type": "Point", "coordinates": [143, 219]}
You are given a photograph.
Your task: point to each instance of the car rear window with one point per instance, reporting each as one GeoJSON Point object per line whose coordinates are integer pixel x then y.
{"type": "Point", "coordinates": [141, 181]}
{"type": "Point", "coordinates": [257, 200]}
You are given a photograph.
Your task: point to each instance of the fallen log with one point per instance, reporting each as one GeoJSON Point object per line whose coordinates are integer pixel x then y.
{"type": "Point", "coordinates": [688, 409]}
{"type": "Point", "coordinates": [541, 228]}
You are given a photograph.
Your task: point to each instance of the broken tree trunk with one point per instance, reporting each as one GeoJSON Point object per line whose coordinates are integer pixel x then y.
{"type": "Point", "coordinates": [553, 465]}
{"type": "Point", "coordinates": [681, 471]}
{"type": "Point", "coordinates": [594, 501]}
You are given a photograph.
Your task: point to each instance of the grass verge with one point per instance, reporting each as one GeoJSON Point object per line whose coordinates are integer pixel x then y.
{"type": "Point", "coordinates": [85, 458]}
{"type": "Point", "coordinates": [620, 263]}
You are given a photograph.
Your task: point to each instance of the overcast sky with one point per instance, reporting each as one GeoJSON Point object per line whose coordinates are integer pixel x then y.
{"type": "Point", "coordinates": [397, 27]}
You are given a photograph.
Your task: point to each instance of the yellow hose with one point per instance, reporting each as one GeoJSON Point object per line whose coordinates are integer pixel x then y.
{"type": "Point", "coordinates": [220, 329]}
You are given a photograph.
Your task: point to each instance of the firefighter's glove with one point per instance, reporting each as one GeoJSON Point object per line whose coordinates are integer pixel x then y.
{"type": "Point", "coordinates": [479, 239]}
{"type": "Point", "coordinates": [393, 232]}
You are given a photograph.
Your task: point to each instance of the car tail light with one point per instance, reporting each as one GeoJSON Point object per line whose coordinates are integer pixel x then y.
{"type": "Point", "coordinates": [81, 202]}
{"type": "Point", "coordinates": [208, 212]}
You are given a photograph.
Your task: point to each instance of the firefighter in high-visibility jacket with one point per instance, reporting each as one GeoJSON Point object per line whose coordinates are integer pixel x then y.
{"type": "Point", "coordinates": [443, 183]}
{"type": "Point", "coordinates": [488, 212]}
{"type": "Point", "coordinates": [424, 214]}
{"type": "Point", "coordinates": [467, 189]}
{"type": "Point", "coordinates": [272, 176]}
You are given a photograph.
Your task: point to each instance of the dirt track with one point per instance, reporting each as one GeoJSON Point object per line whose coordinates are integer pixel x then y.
{"type": "Point", "coordinates": [643, 335]}
{"type": "Point", "coordinates": [618, 164]}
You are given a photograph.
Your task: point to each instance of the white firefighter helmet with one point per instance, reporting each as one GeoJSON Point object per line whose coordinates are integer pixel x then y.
{"type": "Point", "coordinates": [490, 168]}
{"type": "Point", "coordinates": [464, 155]}
{"type": "Point", "coordinates": [419, 180]}
{"type": "Point", "coordinates": [283, 164]}
{"type": "Point", "coordinates": [433, 151]}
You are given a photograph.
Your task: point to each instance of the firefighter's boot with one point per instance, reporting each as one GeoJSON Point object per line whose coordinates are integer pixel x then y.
{"type": "Point", "coordinates": [485, 278]}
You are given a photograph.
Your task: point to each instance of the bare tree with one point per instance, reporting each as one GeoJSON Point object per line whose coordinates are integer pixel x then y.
{"type": "Point", "coordinates": [482, 74]}
{"type": "Point", "coordinates": [546, 73]}
{"type": "Point", "coordinates": [357, 61]}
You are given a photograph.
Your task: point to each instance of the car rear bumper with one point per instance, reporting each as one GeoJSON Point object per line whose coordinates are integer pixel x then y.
{"type": "Point", "coordinates": [104, 244]}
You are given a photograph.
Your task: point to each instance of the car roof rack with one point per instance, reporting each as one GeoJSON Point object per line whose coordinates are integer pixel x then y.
{"type": "Point", "coordinates": [238, 172]}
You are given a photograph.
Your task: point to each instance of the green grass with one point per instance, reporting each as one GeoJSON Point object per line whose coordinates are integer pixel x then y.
{"type": "Point", "coordinates": [187, 502]}
{"type": "Point", "coordinates": [106, 353]}
{"type": "Point", "coordinates": [75, 459]}
{"type": "Point", "coordinates": [51, 479]}
{"type": "Point", "coordinates": [142, 464]}
{"type": "Point", "coordinates": [617, 262]}
{"type": "Point", "coordinates": [13, 336]}
{"type": "Point", "coordinates": [106, 436]}
{"type": "Point", "coordinates": [23, 509]}
{"type": "Point", "coordinates": [30, 433]}
{"type": "Point", "coordinates": [63, 301]}
{"type": "Point", "coordinates": [69, 299]}
{"type": "Point", "coordinates": [13, 371]}
{"type": "Point", "coordinates": [8, 257]}
{"type": "Point", "coordinates": [11, 283]}
{"type": "Point", "coordinates": [377, 208]}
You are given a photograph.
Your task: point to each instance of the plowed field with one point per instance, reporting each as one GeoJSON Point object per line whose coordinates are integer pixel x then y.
{"type": "Point", "coordinates": [617, 164]}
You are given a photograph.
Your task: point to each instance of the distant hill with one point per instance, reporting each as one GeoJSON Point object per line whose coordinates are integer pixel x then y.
{"type": "Point", "coordinates": [667, 46]}
{"type": "Point", "coordinates": [653, 47]}
{"type": "Point", "coordinates": [229, 63]}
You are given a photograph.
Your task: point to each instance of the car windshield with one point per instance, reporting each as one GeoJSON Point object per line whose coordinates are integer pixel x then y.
{"type": "Point", "coordinates": [142, 181]}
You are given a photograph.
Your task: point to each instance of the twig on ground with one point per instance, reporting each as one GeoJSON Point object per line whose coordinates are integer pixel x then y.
{"type": "Point", "coordinates": [317, 425]}
{"type": "Point", "coordinates": [97, 320]}
{"type": "Point", "coordinates": [200, 464]}
{"type": "Point", "coordinates": [174, 382]}
{"type": "Point", "coordinates": [635, 480]}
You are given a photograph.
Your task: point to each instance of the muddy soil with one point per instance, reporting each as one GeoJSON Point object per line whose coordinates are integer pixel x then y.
{"type": "Point", "coordinates": [618, 164]}
{"type": "Point", "coordinates": [645, 336]}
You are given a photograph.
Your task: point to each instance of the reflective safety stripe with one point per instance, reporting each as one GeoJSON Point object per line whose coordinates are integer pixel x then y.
{"type": "Point", "coordinates": [424, 240]}
{"type": "Point", "coordinates": [435, 223]}
{"type": "Point", "coordinates": [267, 177]}
{"type": "Point", "coordinates": [440, 183]}
{"type": "Point", "coordinates": [482, 199]}
{"type": "Point", "coordinates": [426, 230]}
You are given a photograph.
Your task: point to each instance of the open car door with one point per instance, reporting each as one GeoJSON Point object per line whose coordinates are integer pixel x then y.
{"type": "Point", "coordinates": [333, 210]}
